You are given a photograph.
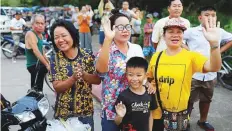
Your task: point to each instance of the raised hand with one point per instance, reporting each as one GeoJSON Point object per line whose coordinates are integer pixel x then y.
{"type": "Point", "coordinates": [212, 31]}
{"type": "Point", "coordinates": [120, 109]}
{"type": "Point", "coordinates": [109, 33]}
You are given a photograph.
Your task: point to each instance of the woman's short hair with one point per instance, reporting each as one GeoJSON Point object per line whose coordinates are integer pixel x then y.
{"type": "Point", "coordinates": [115, 15]}
{"type": "Point", "coordinates": [71, 29]}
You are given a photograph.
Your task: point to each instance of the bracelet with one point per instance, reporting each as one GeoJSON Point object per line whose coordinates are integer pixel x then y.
{"type": "Point", "coordinates": [214, 47]}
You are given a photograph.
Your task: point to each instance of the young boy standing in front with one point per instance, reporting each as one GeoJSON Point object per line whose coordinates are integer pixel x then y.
{"type": "Point", "coordinates": [133, 106]}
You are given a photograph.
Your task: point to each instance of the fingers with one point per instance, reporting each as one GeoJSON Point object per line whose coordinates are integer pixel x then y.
{"type": "Point", "coordinates": [218, 24]}
{"type": "Point", "coordinates": [206, 23]}
{"type": "Point", "coordinates": [214, 22]}
{"type": "Point", "coordinates": [210, 19]}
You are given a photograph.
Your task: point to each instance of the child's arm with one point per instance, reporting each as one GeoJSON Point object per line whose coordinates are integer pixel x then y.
{"type": "Point", "coordinates": [121, 112]}
{"type": "Point", "coordinates": [150, 121]}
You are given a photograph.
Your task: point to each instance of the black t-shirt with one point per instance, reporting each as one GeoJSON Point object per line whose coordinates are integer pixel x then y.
{"type": "Point", "coordinates": [137, 110]}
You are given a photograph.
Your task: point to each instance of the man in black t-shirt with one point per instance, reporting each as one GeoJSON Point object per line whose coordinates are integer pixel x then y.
{"type": "Point", "coordinates": [134, 104]}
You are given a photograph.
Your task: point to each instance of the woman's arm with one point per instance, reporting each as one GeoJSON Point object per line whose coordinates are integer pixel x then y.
{"type": "Point", "coordinates": [91, 78]}
{"type": "Point", "coordinates": [62, 86]}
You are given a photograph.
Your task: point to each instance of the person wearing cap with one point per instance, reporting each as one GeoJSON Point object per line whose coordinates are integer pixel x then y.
{"type": "Point", "coordinates": [175, 9]}
{"type": "Point", "coordinates": [148, 48]}
{"type": "Point", "coordinates": [175, 68]}
{"type": "Point", "coordinates": [16, 27]}
{"type": "Point", "coordinates": [203, 83]}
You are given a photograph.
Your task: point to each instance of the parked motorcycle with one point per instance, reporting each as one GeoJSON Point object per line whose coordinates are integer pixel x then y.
{"type": "Point", "coordinates": [28, 112]}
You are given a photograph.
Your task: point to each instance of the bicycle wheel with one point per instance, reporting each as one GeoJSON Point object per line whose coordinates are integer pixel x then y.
{"type": "Point", "coordinates": [225, 75]}
{"type": "Point", "coordinates": [49, 83]}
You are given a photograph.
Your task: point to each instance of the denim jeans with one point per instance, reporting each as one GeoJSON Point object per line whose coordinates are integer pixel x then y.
{"type": "Point", "coordinates": [87, 120]}
{"type": "Point", "coordinates": [108, 125]}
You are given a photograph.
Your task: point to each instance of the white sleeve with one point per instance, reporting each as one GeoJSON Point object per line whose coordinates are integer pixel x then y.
{"type": "Point", "coordinates": [225, 36]}
{"type": "Point", "coordinates": [12, 23]}
{"type": "Point", "coordinates": [23, 22]}
{"type": "Point", "coordinates": [139, 51]}
{"type": "Point", "coordinates": [156, 33]}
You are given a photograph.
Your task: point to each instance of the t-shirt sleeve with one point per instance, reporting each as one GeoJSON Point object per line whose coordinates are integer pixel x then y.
{"type": "Point", "coordinates": [23, 22]}
{"type": "Point", "coordinates": [90, 63]}
{"type": "Point", "coordinates": [225, 36]}
{"type": "Point", "coordinates": [54, 74]}
{"type": "Point", "coordinates": [198, 62]}
{"type": "Point", "coordinates": [151, 67]}
{"type": "Point", "coordinates": [153, 103]}
{"type": "Point", "coordinates": [156, 33]}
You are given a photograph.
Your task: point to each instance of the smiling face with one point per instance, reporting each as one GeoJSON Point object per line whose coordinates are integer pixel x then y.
{"type": "Point", "coordinates": [173, 37]}
{"type": "Point", "coordinates": [63, 39]}
{"type": "Point", "coordinates": [124, 35]}
{"type": "Point", "coordinates": [175, 9]}
{"type": "Point", "coordinates": [135, 77]}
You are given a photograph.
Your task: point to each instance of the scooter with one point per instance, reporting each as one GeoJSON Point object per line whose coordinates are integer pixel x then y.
{"type": "Point", "coordinates": [28, 112]}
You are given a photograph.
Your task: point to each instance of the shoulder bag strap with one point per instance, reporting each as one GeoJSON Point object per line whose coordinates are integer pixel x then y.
{"type": "Point", "coordinates": [156, 79]}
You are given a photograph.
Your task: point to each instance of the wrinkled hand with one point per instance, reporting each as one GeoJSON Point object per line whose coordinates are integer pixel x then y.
{"type": "Point", "coordinates": [152, 87]}
{"type": "Point", "coordinates": [120, 109]}
{"type": "Point", "coordinates": [109, 34]}
{"type": "Point", "coordinates": [212, 30]}
{"type": "Point", "coordinates": [78, 73]}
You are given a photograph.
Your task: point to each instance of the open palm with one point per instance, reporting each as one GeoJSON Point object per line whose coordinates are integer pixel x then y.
{"type": "Point", "coordinates": [211, 30]}
{"type": "Point", "coordinates": [109, 34]}
{"type": "Point", "coordinates": [120, 109]}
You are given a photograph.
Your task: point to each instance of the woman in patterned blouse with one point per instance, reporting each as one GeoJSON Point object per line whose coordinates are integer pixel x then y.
{"type": "Point", "coordinates": [72, 73]}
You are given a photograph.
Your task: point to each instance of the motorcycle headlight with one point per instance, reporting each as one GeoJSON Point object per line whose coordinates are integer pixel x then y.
{"type": "Point", "coordinates": [25, 116]}
{"type": "Point", "coordinates": [43, 106]}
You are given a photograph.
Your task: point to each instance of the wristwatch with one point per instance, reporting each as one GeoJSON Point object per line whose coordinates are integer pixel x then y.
{"type": "Point", "coordinates": [214, 47]}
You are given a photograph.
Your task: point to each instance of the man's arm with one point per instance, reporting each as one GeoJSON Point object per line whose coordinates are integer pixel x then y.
{"type": "Point", "coordinates": [226, 47]}
{"type": "Point", "coordinates": [31, 39]}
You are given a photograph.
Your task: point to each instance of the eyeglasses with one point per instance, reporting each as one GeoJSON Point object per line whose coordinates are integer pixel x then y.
{"type": "Point", "coordinates": [121, 27]}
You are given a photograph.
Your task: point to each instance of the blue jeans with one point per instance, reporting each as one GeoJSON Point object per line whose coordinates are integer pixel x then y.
{"type": "Point", "coordinates": [87, 120]}
{"type": "Point", "coordinates": [86, 40]}
{"type": "Point", "coordinates": [108, 125]}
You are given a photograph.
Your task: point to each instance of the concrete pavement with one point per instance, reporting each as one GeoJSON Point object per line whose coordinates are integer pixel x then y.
{"type": "Point", "coordinates": [15, 81]}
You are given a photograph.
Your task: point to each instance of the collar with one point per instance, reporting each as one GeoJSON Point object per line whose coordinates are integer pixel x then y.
{"type": "Point", "coordinates": [115, 48]}
{"type": "Point", "coordinates": [199, 27]}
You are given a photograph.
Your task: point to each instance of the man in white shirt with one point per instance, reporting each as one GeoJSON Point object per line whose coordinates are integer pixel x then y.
{"type": "Point", "coordinates": [16, 27]}
{"type": "Point", "coordinates": [203, 84]}
{"type": "Point", "coordinates": [175, 9]}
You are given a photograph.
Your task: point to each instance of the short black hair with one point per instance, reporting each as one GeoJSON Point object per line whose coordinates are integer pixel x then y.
{"type": "Point", "coordinates": [71, 29]}
{"type": "Point", "coordinates": [170, 2]}
{"type": "Point", "coordinates": [115, 16]}
{"type": "Point", "coordinates": [137, 62]}
{"type": "Point", "coordinates": [206, 8]}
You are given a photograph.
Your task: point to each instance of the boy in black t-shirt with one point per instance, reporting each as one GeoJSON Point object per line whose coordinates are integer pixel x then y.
{"type": "Point", "coordinates": [133, 106]}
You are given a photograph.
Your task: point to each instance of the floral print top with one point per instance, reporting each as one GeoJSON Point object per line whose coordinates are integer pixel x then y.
{"type": "Point", "coordinates": [77, 101]}
{"type": "Point", "coordinates": [114, 81]}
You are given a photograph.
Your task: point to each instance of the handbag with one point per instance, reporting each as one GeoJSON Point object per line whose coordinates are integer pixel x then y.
{"type": "Point", "coordinates": [173, 121]}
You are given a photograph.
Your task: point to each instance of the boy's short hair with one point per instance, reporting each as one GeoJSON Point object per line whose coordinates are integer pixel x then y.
{"type": "Point", "coordinates": [137, 62]}
{"type": "Point", "coordinates": [206, 8]}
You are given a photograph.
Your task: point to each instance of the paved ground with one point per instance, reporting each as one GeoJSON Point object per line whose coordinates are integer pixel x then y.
{"type": "Point", "coordinates": [15, 82]}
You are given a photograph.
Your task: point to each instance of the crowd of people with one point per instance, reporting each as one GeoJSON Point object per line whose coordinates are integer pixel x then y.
{"type": "Point", "coordinates": [148, 88]}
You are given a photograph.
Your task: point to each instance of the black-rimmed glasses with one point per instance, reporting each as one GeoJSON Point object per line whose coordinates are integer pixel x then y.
{"type": "Point", "coordinates": [128, 27]}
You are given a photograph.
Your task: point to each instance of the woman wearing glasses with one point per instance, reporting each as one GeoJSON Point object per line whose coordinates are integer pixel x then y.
{"type": "Point", "coordinates": [111, 63]}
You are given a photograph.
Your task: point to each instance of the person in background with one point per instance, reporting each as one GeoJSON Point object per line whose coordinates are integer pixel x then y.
{"type": "Point", "coordinates": [84, 29]}
{"type": "Point", "coordinates": [175, 8]}
{"type": "Point", "coordinates": [134, 105]}
{"type": "Point", "coordinates": [203, 83]}
{"type": "Point", "coordinates": [16, 27]}
{"type": "Point", "coordinates": [107, 12]}
{"type": "Point", "coordinates": [37, 63]}
{"type": "Point", "coordinates": [72, 74]}
{"type": "Point", "coordinates": [74, 19]}
{"type": "Point", "coordinates": [90, 13]}
{"type": "Point", "coordinates": [126, 11]}
{"type": "Point", "coordinates": [148, 47]}
{"type": "Point", "coordinates": [136, 27]}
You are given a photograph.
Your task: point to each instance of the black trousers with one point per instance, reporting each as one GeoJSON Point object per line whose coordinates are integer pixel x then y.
{"type": "Point", "coordinates": [158, 125]}
{"type": "Point", "coordinates": [38, 84]}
